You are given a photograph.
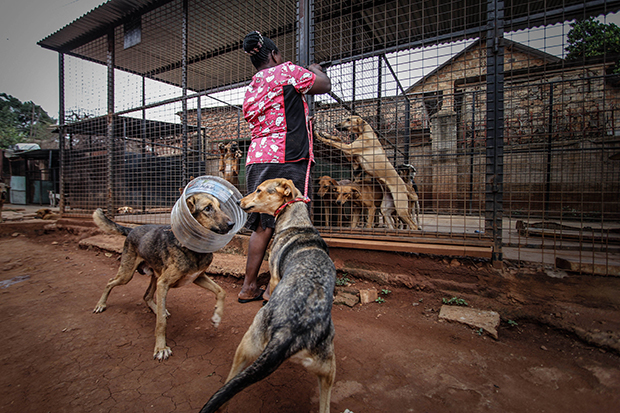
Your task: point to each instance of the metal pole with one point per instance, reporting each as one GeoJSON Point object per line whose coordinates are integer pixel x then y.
{"type": "Point", "coordinates": [305, 39]}
{"type": "Point", "coordinates": [110, 138]}
{"type": "Point", "coordinates": [353, 86]}
{"type": "Point", "coordinates": [143, 136]}
{"type": "Point", "coordinates": [200, 148]}
{"type": "Point", "coordinates": [62, 129]}
{"type": "Point", "coordinates": [495, 127]}
{"type": "Point", "coordinates": [379, 87]}
{"type": "Point", "coordinates": [184, 175]}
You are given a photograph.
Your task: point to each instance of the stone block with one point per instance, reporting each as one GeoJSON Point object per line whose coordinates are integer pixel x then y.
{"type": "Point", "coordinates": [346, 298]}
{"type": "Point", "coordinates": [368, 296]}
{"type": "Point", "coordinates": [486, 320]}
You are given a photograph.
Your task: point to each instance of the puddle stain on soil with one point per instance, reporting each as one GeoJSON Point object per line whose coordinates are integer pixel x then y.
{"type": "Point", "coordinates": [15, 280]}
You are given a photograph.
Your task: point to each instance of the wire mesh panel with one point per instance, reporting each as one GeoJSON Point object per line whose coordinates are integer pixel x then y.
{"type": "Point", "coordinates": [176, 114]}
{"type": "Point", "coordinates": [561, 186]}
{"type": "Point", "coordinates": [415, 170]}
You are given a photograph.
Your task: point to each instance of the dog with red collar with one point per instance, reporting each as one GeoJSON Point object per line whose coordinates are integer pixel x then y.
{"type": "Point", "coordinates": [296, 322]}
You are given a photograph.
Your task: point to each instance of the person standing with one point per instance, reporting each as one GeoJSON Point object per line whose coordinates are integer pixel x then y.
{"type": "Point", "coordinates": [281, 147]}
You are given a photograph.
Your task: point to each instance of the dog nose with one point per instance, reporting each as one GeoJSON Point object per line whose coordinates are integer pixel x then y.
{"type": "Point", "coordinates": [238, 202]}
{"type": "Point", "coordinates": [230, 225]}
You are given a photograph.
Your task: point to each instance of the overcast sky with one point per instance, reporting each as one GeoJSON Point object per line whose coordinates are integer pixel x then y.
{"type": "Point", "coordinates": [28, 71]}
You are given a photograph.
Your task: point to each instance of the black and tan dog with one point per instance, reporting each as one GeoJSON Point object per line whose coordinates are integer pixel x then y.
{"type": "Point", "coordinates": [154, 250]}
{"type": "Point", "coordinates": [296, 322]}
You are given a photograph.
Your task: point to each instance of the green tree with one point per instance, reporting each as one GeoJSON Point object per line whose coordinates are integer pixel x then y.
{"type": "Point", "coordinates": [589, 38]}
{"type": "Point", "coordinates": [20, 122]}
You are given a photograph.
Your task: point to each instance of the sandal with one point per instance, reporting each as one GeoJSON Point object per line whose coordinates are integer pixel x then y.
{"type": "Point", "coordinates": [249, 300]}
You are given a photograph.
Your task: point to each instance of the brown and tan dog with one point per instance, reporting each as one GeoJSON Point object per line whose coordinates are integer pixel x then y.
{"type": "Point", "coordinates": [296, 322]}
{"type": "Point", "coordinates": [364, 197]}
{"type": "Point", "coordinates": [4, 195]}
{"type": "Point", "coordinates": [328, 192]}
{"type": "Point", "coordinates": [154, 250]}
{"type": "Point", "coordinates": [366, 151]}
{"type": "Point", "coordinates": [230, 154]}
{"type": "Point", "coordinates": [46, 213]}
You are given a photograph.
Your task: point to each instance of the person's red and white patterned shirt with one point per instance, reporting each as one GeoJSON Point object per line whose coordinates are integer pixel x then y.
{"type": "Point", "coordinates": [276, 109]}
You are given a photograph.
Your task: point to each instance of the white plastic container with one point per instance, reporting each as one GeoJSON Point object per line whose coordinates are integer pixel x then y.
{"type": "Point", "coordinates": [189, 232]}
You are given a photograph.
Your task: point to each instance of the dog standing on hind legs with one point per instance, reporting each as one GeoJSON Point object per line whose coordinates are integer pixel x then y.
{"type": "Point", "coordinates": [367, 152]}
{"type": "Point", "coordinates": [296, 322]}
{"type": "Point", "coordinates": [154, 250]}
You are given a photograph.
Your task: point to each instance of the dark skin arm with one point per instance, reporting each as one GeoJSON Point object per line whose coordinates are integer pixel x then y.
{"type": "Point", "coordinates": [322, 83]}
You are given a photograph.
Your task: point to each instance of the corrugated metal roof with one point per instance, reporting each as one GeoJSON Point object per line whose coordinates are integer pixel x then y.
{"type": "Point", "coordinates": [344, 30]}
{"type": "Point", "coordinates": [97, 22]}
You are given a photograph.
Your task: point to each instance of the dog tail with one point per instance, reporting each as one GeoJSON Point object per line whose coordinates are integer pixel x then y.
{"type": "Point", "coordinates": [275, 353]}
{"type": "Point", "coordinates": [107, 225]}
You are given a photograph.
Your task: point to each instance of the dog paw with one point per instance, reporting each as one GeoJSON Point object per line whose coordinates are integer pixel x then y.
{"type": "Point", "coordinates": [216, 320]}
{"type": "Point", "coordinates": [162, 354]}
{"type": "Point", "coordinates": [99, 308]}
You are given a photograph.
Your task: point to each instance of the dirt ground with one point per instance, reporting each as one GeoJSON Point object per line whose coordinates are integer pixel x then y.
{"type": "Point", "coordinates": [396, 356]}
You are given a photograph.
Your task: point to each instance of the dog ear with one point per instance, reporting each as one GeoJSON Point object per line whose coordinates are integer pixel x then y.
{"type": "Point", "coordinates": [288, 189]}
{"type": "Point", "coordinates": [191, 204]}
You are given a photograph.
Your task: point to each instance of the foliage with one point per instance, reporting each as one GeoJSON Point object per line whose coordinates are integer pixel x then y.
{"type": "Point", "coordinates": [8, 135]}
{"type": "Point", "coordinates": [589, 38]}
{"type": "Point", "coordinates": [454, 301]}
{"type": "Point", "coordinates": [21, 122]}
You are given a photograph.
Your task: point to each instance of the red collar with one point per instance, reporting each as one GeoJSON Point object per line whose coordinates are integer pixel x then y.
{"type": "Point", "coordinates": [304, 199]}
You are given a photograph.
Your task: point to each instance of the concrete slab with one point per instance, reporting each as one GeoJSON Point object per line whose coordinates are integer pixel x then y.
{"type": "Point", "coordinates": [112, 243]}
{"type": "Point", "coordinates": [478, 319]}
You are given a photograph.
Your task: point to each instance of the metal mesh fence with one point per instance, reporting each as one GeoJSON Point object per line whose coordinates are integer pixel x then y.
{"type": "Point", "coordinates": [405, 150]}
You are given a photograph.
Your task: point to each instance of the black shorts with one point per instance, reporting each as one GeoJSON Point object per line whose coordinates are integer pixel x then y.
{"type": "Point", "coordinates": [256, 174]}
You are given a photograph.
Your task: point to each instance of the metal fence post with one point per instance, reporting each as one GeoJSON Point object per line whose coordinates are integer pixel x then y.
{"type": "Point", "coordinates": [110, 127]}
{"type": "Point", "coordinates": [184, 86]}
{"type": "Point", "coordinates": [305, 39]}
{"type": "Point", "coordinates": [495, 127]}
{"type": "Point", "coordinates": [61, 131]}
